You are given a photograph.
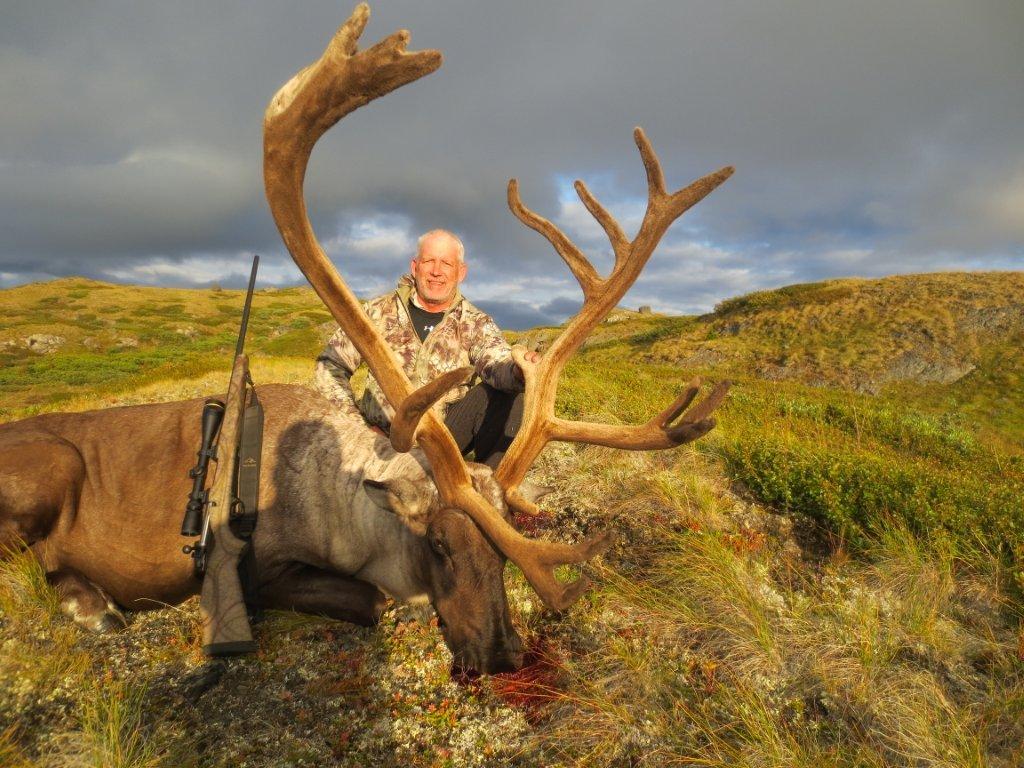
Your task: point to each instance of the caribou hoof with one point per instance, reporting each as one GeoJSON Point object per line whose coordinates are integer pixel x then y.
{"type": "Point", "coordinates": [101, 622]}
{"type": "Point", "coordinates": [108, 622]}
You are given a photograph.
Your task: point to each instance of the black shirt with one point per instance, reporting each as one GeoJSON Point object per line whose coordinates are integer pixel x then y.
{"type": "Point", "coordinates": [422, 320]}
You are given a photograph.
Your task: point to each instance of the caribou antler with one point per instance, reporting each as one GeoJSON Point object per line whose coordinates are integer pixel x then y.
{"type": "Point", "coordinates": [600, 295]}
{"type": "Point", "coordinates": [408, 414]}
{"type": "Point", "coordinates": [343, 79]}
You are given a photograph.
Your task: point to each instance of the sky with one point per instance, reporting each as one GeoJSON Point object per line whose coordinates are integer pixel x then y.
{"type": "Point", "coordinates": [869, 138]}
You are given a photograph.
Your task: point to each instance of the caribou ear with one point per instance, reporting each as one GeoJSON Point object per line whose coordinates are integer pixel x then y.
{"type": "Point", "coordinates": [533, 492]}
{"type": "Point", "coordinates": [403, 498]}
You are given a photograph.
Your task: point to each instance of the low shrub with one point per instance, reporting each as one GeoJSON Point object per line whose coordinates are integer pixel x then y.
{"type": "Point", "coordinates": [852, 490]}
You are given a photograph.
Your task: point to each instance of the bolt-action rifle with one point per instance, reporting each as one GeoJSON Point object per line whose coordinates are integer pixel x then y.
{"type": "Point", "coordinates": [224, 515]}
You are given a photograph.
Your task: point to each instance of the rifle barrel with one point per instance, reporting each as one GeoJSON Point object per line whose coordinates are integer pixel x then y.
{"type": "Point", "coordinates": [248, 304]}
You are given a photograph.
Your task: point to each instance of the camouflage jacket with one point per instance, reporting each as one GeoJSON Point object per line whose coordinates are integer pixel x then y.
{"type": "Point", "coordinates": [465, 336]}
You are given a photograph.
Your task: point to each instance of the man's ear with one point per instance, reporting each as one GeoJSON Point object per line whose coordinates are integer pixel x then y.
{"type": "Point", "coordinates": [463, 269]}
{"type": "Point", "coordinates": [404, 499]}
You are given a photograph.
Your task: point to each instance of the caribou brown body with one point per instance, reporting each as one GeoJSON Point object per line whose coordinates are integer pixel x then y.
{"type": "Point", "coordinates": [93, 505]}
{"type": "Point", "coordinates": [99, 498]}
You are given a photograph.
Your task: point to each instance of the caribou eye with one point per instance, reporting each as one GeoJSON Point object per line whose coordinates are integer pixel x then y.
{"type": "Point", "coordinates": [439, 545]}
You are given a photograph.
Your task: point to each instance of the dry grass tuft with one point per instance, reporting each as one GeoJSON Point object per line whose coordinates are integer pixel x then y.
{"type": "Point", "coordinates": [112, 732]}
{"type": "Point", "coordinates": [25, 595]}
{"type": "Point", "coordinates": [11, 754]}
{"type": "Point", "coordinates": [41, 648]}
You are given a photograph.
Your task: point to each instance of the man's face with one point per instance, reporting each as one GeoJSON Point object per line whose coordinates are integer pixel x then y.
{"type": "Point", "coordinates": [437, 272]}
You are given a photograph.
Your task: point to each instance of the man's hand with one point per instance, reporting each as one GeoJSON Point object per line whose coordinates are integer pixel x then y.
{"type": "Point", "coordinates": [528, 357]}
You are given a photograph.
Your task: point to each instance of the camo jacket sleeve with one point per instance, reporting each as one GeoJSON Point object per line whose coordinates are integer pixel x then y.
{"type": "Point", "coordinates": [333, 374]}
{"type": "Point", "coordinates": [490, 354]}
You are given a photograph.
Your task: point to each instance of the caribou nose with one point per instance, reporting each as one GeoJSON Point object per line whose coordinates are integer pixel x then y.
{"type": "Point", "coordinates": [510, 659]}
{"type": "Point", "coordinates": [467, 666]}
{"type": "Point", "coordinates": [506, 664]}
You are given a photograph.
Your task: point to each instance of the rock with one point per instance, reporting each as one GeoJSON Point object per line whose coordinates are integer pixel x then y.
{"type": "Point", "coordinates": [702, 357]}
{"type": "Point", "coordinates": [127, 342]}
{"type": "Point", "coordinates": [188, 332]}
{"type": "Point", "coordinates": [90, 343]}
{"type": "Point", "coordinates": [44, 343]}
{"type": "Point", "coordinates": [916, 365]}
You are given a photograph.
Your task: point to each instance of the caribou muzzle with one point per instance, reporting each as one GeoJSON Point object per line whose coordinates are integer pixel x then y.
{"type": "Point", "coordinates": [498, 648]}
{"type": "Point", "coordinates": [468, 593]}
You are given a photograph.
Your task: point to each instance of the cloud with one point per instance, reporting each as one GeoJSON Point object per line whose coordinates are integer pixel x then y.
{"type": "Point", "coordinates": [869, 138]}
{"type": "Point", "coordinates": [561, 307]}
{"type": "Point", "coordinates": [228, 272]}
{"type": "Point", "coordinates": [516, 315]}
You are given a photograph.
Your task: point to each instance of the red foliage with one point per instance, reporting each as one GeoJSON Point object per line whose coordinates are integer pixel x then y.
{"type": "Point", "coordinates": [745, 542]}
{"type": "Point", "coordinates": [536, 684]}
{"type": "Point", "coordinates": [532, 524]}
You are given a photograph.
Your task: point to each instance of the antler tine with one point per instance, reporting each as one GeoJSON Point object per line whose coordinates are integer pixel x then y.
{"type": "Point", "coordinates": [585, 273]}
{"type": "Point", "coordinates": [347, 37]}
{"type": "Point", "coordinates": [340, 81]}
{"type": "Point", "coordinates": [710, 403]}
{"type": "Point", "coordinates": [690, 195]}
{"type": "Point", "coordinates": [408, 414]}
{"type": "Point", "coordinates": [618, 239]}
{"type": "Point", "coordinates": [655, 176]}
{"type": "Point", "coordinates": [680, 404]}
{"type": "Point", "coordinates": [539, 561]}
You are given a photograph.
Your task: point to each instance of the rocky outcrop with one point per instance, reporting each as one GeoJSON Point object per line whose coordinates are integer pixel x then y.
{"type": "Point", "coordinates": [44, 343]}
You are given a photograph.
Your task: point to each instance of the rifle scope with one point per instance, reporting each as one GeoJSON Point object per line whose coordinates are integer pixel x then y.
{"type": "Point", "coordinates": [213, 414]}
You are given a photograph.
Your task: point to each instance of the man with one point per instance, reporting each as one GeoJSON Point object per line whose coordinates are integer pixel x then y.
{"type": "Point", "coordinates": [433, 329]}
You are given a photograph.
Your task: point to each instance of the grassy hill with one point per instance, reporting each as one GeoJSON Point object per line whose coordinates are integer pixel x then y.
{"type": "Point", "coordinates": [96, 339]}
{"type": "Point", "coordinates": [831, 577]}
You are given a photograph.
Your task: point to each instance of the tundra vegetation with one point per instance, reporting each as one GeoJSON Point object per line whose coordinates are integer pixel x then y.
{"type": "Point", "coordinates": [833, 576]}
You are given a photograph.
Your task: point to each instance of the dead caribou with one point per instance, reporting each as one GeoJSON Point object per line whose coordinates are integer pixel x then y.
{"type": "Point", "coordinates": [347, 516]}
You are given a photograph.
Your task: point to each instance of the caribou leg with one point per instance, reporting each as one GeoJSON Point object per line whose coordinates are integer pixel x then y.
{"type": "Point", "coordinates": [41, 475]}
{"type": "Point", "coordinates": [307, 589]}
{"type": "Point", "coordinates": [86, 604]}
{"type": "Point", "coordinates": [40, 478]}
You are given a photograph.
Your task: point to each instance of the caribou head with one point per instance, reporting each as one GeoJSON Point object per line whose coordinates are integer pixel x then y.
{"type": "Point", "coordinates": [345, 78]}
{"type": "Point", "coordinates": [462, 570]}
